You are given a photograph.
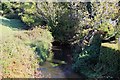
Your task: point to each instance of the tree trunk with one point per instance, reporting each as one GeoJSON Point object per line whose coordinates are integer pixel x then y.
{"type": "Point", "coordinates": [119, 43]}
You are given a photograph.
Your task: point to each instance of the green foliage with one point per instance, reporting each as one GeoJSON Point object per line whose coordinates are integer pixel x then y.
{"type": "Point", "coordinates": [107, 27]}
{"type": "Point", "coordinates": [109, 60]}
{"type": "Point", "coordinates": [39, 42]}
{"type": "Point", "coordinates": [89, 57]}
{"type": "Point", "coordinates": [42, 49]}
{"type": "Point", "coordinates": [107, 64]}
{"type": "Point", "coordinates": [27, 20]}
{"type": "Point", "coordinates": [30, 15]}
{"type": "Point", "coordinates": [64, 20]}
{"type": "Point", "coordinates": [103, 14]}
{"type": "Point", "coordinates": [26, 12]}
{"type": "Point", "coordinates": [10, 10]}
{"type": "Point", "coordinates": [117, 27]}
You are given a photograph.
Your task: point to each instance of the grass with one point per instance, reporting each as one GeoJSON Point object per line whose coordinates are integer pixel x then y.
{"type": "Point", "coordinates": [111, 45]}
{"type": "Point", "coordinates": [17, 57]}
{"type": "Point", "coordinates": [9, 23]}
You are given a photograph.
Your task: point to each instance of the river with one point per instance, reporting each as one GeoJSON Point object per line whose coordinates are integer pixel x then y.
{"type": "Point", "coordinates": [62, 53]}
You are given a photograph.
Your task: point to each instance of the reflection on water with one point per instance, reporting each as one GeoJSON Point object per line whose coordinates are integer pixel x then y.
{"type": "Point", "coordinates": [62, 59]}
{"type": "Point", "coordinates": [60, 71]}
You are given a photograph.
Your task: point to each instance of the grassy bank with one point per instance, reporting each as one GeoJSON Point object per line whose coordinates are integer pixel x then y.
{"type": "Point", "coordinates": [19, 56]}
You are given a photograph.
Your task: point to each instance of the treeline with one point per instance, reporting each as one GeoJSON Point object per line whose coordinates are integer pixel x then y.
{"type": "Point", "coordinates": [69, 18]}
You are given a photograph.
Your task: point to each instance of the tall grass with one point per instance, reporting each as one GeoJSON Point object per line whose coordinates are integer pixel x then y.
{"type": "Point", "coordinates": [17, 58]}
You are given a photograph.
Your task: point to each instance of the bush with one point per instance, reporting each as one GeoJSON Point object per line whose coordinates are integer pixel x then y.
{"type": "Point", "coordinates": [107, 65]}
{"type": "Point", "coordinates": [96, 61]}
{"type": "Point", "coordinates": [62, 20]}
{"type": "Point", "coordinates": [89, 57]}
{"type": "Point", "coordinates": [42, 42]}
{"type": "Point", "coordinates": [110, 61]}
{"type": "Point", "coordinates": [39, 40]}
{"type": "Point", "coordinates": [31, 20]}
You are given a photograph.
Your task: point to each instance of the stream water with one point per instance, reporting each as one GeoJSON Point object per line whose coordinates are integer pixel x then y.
{"type": "Point", "coordinates": [61, 71]}
{"type": "Point", "coordinates": [61, 53]}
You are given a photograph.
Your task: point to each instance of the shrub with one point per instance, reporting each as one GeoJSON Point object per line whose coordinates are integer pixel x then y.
{"type": "Point", "coordinates": [39, 40]}
{"type": "Point", "coordinates": [89, 57]}
{"type": "Point", "coordinates": [107, 65]}
{"type": "Point", "coordinates": [110, 60]}
{"type": "Point", "coordinates": [96, 61]}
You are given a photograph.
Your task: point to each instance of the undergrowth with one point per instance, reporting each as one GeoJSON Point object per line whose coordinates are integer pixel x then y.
{"type": "Point", "coordinates": [108, 65]}
{"type": "Point", "coordinates": [18, 58]}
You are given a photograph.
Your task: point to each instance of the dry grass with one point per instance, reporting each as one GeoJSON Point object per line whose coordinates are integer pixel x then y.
{"type": "Point", "coordinates": [17, 58]}
{"type": "Point", "coordinates": [111, 45]}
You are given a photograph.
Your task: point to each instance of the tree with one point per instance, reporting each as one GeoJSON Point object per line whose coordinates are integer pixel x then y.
{"type": "Point", "coordinates": [64, 20]}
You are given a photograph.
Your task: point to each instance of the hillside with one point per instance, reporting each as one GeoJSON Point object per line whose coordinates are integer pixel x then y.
{"type": "Point", "coordinates": [18, 58]}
